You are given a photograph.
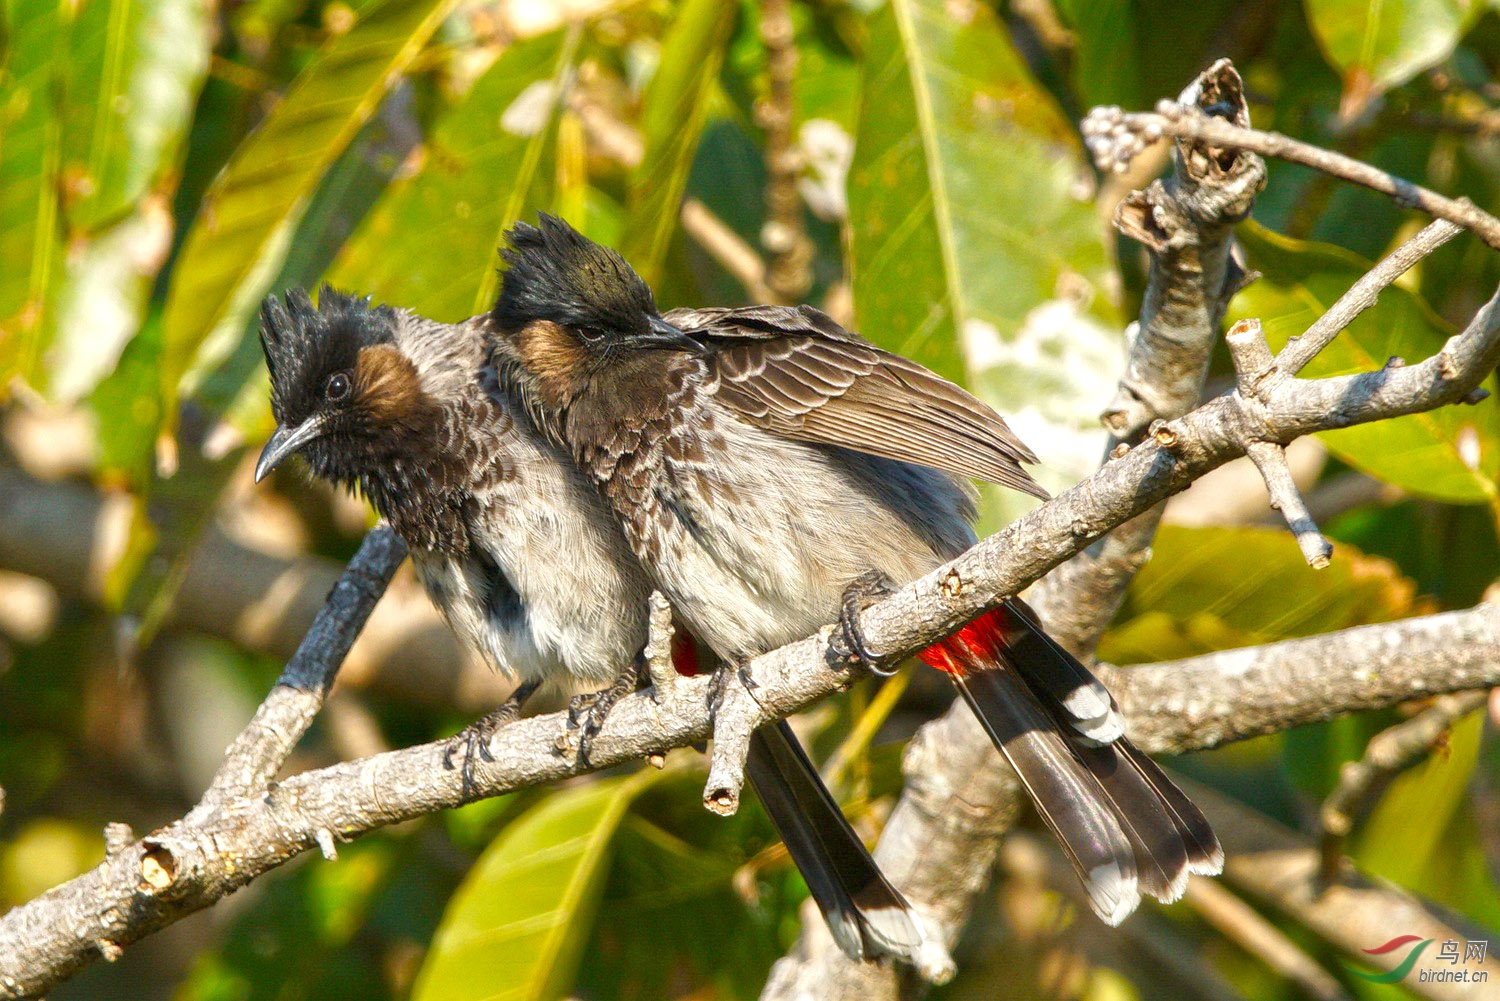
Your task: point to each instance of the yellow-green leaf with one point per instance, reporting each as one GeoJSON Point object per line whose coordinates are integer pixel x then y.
{"type": "Point", "coordinates": [676, 108]}
{"type": "Point", "coordinates": [1377, 44]}
{"type": "Point", "coordinates": [516, 928]}
{"type": "Point", "coordinates": [429, 243]}
{"type": "Point", "coordinates": [974, 245]}
{"type": "Point", "coordinates": [1452, 454]}
{"type": "Point", "coordinates": [1196, 595]}
{"type": "Point", "coordinates": [240, 235]}
{"type": "Point", "coordinates": [30, 172]}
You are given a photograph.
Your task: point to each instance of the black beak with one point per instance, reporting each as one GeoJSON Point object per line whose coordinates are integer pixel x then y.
{"type": "Point", "coordinates": [284, 442]}
{"type": "Point", "coordinates": [664, 335]}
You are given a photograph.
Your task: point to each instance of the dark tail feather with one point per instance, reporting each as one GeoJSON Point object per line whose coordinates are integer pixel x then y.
{"type": "Point", "coordinates": [866, 914]}
{"type": "Point", "coordinates": [1123, 824]}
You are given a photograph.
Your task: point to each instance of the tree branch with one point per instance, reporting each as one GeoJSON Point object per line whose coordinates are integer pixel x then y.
{"type": "Point", "coordinates": [1116, 136]}
{"type": "Point", "coordinates": [943, 833]}
{"type": "Point", "coordinates": [1186, 223]}
{"type": "Point", "coordinates": [258, 753]}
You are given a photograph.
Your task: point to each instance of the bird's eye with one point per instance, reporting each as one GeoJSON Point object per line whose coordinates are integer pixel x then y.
{"type": "Point", "coordinates": [338, 387]}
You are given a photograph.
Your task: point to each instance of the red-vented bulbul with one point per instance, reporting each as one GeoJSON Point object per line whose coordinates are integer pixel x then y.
{"type": "Point", "coordinates": [517, 550]}
{"type": "Point", "coordinates": [768, 465]}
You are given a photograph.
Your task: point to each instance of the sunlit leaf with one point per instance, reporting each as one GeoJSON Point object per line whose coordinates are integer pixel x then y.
{"type": "Point", "coordinates": [1409, 838]}
{"type": "Point", "coordinates": [517, 926]}
{"type": "Point", "coordinates": [1451, 454]}
{"type": "Point", "coordinates": [116, 97]}
{"type": "Point", "coordinates": [676, 108]}
{"type": "Point", "coordinates": [30, 171]}
{"type": "Point", "coordinates": [239, 238]}
{"type": "Point", "coordinates": [1214, 588]}
{"type": "Point", "coordinates": [229, 409]}
{"type": "Point", "coordinates": [975, 249]}
{"type": "Point", "coordinates": [133, 74]}
{"type": "Point", "coordinates": [429, 244]}
{"type": "Point", "coordinates": [1378, 44]}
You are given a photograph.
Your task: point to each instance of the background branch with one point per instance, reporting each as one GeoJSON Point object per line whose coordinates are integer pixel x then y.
{"type": "Point", "coordinates": [72, 537]}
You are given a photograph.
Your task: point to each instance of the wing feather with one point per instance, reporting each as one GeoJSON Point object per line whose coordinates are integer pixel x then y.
{"type": "Point", "coordinates": [795, 372]}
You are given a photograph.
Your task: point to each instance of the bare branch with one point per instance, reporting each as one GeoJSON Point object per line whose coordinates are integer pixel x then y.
{"type": "Point", "coordinates": [1115, 136]}
{"type": "Point", "coordinates": [784, 235]}
{"type": "Point", "coordinates": [1251, 356]}
{"type": "Point", "coordinates": [725, 246]}
{"type": "Point", "coordinates": [736, 717]}
{"type": "Point", "coordinates": [659, 667]}
{"type": "Point", "coordinates": [1253, 364]}
{"type": "Point", "coordinates": [943, 832]}
{"type": "Point", "coordinates": [260, 750]}
{"type": "Point", "coordinates": [1243, 925]}
{"type": "Point", "coordinates": [1270, 459]}
{"type": "Point", "coordinates": [1362, 294]}
{"type": "Point", "coordinates": [1389, 752]}
{"type": "Point", "coordinates": [1202, 702]}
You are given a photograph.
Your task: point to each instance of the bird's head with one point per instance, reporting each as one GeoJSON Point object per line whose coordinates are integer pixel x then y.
{"type": "Point", "coordinates": [340, 385]}
{"type": "Point", "coordinates": [568, 305]}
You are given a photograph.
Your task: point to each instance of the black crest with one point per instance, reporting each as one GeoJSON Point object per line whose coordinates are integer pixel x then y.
{"type": "Point", "coordinates": [305, 344]}
{"type": "Point", "coordinates": [553, 272]}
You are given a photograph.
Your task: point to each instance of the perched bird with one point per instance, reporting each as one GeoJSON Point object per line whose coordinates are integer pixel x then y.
{"type": "Point", "coordinates": [773, 470]}
{"type": "Point", "coordinates": [517, 550]}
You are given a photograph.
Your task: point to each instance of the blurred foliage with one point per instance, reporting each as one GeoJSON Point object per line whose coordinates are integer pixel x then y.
{"type": "Point", "coordinates": [165, 163]}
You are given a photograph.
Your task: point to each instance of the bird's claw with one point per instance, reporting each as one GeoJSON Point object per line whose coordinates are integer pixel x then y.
{"type": "Point", "coordinates": [587, 712]}
{"type": "Point", "coordinates": [474, 739]}
{"type": "Point", "coordinates": [848, 641]}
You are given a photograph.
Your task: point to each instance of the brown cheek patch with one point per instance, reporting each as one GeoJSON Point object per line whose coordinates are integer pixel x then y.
{"type": "Point", "coordinates": [387, 383]}
{"type": "Point", "coordinates": [554, 356]}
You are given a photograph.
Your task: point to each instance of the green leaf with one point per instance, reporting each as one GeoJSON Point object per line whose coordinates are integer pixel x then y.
{"type": "Point", "coordinates": [298, 937]}
{"type": "Point", "coordinates": [974, 247]}
{"type": "Point", "coordinates": [31, 126]}
{"type": "Point", "coordinates": [1131, 52]}
{"type": "Point", "coordinates": [1194, 596]}
{"type": "Point", "coordinates": [1409, 837]}
{"type": "Point", "coordinates": [660, 887]}
{"type": "Point", "coordinates": [1452, 454]}
{"type": "Point", "coordinates": [429, 243]}
{"type": "Point", "coordinates": [517, 926]}
{"type": "Point", "coordinates": [676, 108]}
{"type": "Point", "coordinates": [241, 234]}
{"type": "Point", "coordinates": [134, 70]}
{"type": "Point", "coordinates": [117, 95]}
{"type": "Point", "coordinates": [1379, 44]}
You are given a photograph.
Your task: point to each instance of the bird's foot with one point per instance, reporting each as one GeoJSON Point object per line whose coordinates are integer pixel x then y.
{"type": "Point", "coordinates": [474, 739]}
{"type": "Point", "coordinates": [587, 712]}
{"type": "Point", "coordinates": [848, 640]}
{"type": "Point", "coordinates": [719, 683]}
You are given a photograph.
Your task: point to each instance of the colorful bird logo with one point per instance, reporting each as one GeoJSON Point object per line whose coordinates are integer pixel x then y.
{"type": "Point", "coordinates": [1406, 964]}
